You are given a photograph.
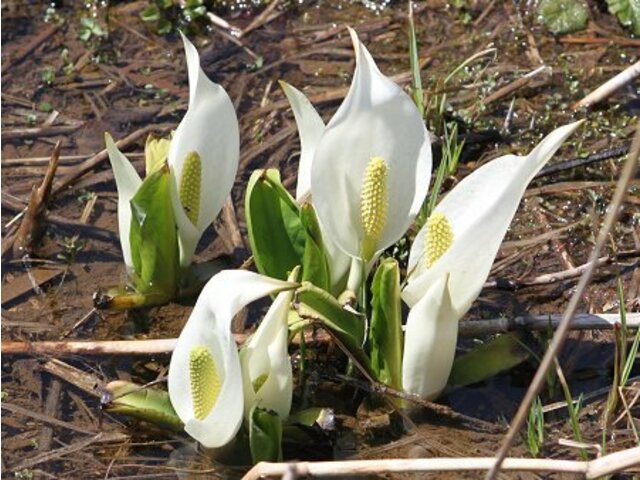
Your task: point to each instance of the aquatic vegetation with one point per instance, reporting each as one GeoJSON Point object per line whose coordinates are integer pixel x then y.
{"type": "Point", "coordinates": [189, 176]}
{"type": "Point", "coordinates": [446, 273]}
{"type": "Point", "coordinates": [363, 179]}
{"type": "Point", "coordinates": [205, 376]}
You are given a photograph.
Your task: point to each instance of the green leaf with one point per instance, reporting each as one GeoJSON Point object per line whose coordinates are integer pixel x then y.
{"type": "Point", "coordinates": [347, 326]}
{"type": "Point", "coordinates": [150, 14]}
{"type": "Point", "coordinates": [563, 16]}
{"type": "Point", "coordinates": [45, 107]}
{"type": "Point", "coordinates": [153, 237]}
{"type": "Point", "coordinates": [311, 416]}
{"type": "Point", "coordinates": [146, 404]}
{"type": "Point", "coordinates": [265, 436]}
{"type": "Point", "coordinates": [276, 234]}
{"type": "Point", "coordinates": [628, 13]}
{"type": "Point", "coordinates": [315, 265]}
{"type": "Point", "coordinates": [386, 324]}
{"type": "Point", "coordinates": [489, 359]}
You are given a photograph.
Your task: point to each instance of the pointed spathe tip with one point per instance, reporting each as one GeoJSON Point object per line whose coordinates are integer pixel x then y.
{"type": "Point", "coordinates": [355, 40]}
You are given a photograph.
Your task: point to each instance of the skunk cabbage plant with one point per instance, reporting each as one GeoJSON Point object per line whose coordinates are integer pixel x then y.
{"type": "Point", "coordinates": [451, 257]}
{"type": "Point", "coordinates": [205, 377]}
{"type": "Point", "coordinates": [203, 152]}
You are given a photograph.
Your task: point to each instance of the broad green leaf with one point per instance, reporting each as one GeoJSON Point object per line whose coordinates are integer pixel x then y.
{"type": "Point", "coordinates": [265, 436]}
{"type": "Point", "coordinates": [315, 266]}
{"type": "Point", "coordinates": [628, 13]}
{"type": "Point", "coordinates": [385, 340]}
{"type": "Point", "coordinates": [563, 16]}
{"type": "Point", "coordinates": [500, 354]}
{"type": "Point", "coordinates": [347, 326]}
{"type": "Point", "coordinates": [146, 404]}
{"type": "Point", "coordinates": [276, 234]}
{"type": "Point", "coordinates": [153, 237]}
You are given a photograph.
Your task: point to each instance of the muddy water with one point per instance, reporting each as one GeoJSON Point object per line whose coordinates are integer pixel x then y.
{"type": "Point", "coordinates": [131, 77]}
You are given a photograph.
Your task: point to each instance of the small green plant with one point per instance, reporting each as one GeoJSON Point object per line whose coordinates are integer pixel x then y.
{"type": "Point", "coordinates": [573, 409]}
{"type": "Point", "coordinates": [166, 16]}
{"type": "Point", "coordinates": [24, 474]}
{"type": "Point", "coordinates": [623, 363]}
{"type": "Point", "coordinates": [535, 427]}
{"type": "Point", "coordinates": [45, 107]}
{"type": "Point", "coordinates": [48, 75]}
{"type": "Point", "coordinates": [71, 246]}
{"type": "Point", "coordinates": [90, 29]}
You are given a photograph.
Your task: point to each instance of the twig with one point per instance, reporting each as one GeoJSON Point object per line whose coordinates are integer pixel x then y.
{"type": "Point", "coordinates": [561, 333]}
{"type": "Point", "coordinates": [17, 205]}
{"type": "Point", "coordinates": [102, 437]}
{"type": "Point", "coordinates": [51, 409]}
{"type": "Point", "coordinates": [36, 132]}
{"type": "Point", "coordinates": [105, 347]}
{"type": "Point", "coordinates": [86, 382]}
{"type": "Point", "coordinates": [18, 410]}
{"type": "Point", "coordinates": [548, 278]}
{"type": "Point", "coordinates": [609, 87]}
{"type": "Point", "coordinates": [28, 232]}
{"type": "Point", "coordinates": [609, 464]}
{"type": "Point", "coordinates": [620, 41]}
{"type": "Point", "coordinates": [582, 321]}
{"type": "Point", "coordinates": [564, 187]}
{"type": "Point", "coordinates": [221, 22]}
{"type": "Point", "coordinates": [373, 386]}
{"type": "Point", "coordinates": [581, 162]}
{"type": "Point", "coordinates": [98, 158]}
{"type": "Point", "coordinates": [469, 328]}
{"type": "Point", "coordinates": [263, 18]}
{"type": "Point", "coordinates": [515, 85]}
{"type": "Point", "coordinates": [552, 407]}
{"type": "Point", "coordinates": [30, 46]}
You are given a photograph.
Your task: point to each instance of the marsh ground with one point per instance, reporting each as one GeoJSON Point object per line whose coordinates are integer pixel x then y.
{"type": "Point", "coordinates": [70, 80]}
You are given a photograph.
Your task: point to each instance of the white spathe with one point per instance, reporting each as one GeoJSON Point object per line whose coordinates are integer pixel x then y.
{"type": "Point", "coordinates": [209, 326]}
{"type": "Point", "coordinates": [266, 368]}
{"type": "Point", "coordinates": [478, 212]}
{"type": "Point", "coordinates": [377, 119]}
{"type": "Point", "coordinates": [431, 334]}
{"type": "Point", "coordinates": [209, 128]}
{"type": "Point", "coordinates": [127, 183]}
{"type": "Point", "coordinates": [310, 129]}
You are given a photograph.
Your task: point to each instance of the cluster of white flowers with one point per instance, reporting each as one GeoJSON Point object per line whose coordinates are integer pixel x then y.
{"type": "Point", "coordinates": [366, 173]}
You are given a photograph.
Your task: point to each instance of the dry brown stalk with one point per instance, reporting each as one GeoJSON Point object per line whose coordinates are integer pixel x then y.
{"type": "Point", "coordinates": [609, 87]}
{"type": "Point", "coordinates": [98, 158]}
{"type": "Point", "coordinates": [28, 48]}
{"type": "Point", "coordinates": [35, 132]}
{"type": "Point", "coordinates": [515, 85]}
{"type": "Point", "coordinates": [469, 328]}
{"type": "Point", "coordinates": [607, 465]}
{"type": "Point", "coordinates": [102, 437]}
{"type": "Point", "coordinates": [262, 19]}
{"type": "Point", "coordinates": [560, 335]}
{"type": "Point", "coordinates": [555, 277]}
{"type": "Point", "coordinates": [30, 228]}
